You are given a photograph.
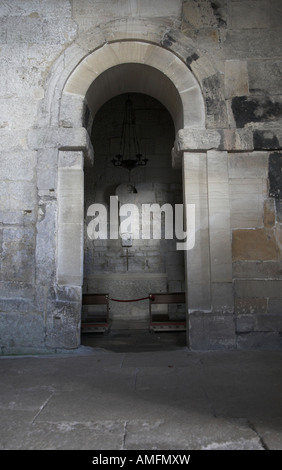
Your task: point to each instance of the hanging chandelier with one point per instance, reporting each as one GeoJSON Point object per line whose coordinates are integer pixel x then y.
{"type": "Point", "coordinates": [129, 156]}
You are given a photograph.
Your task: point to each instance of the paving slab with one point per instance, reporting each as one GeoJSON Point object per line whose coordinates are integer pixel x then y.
{"type": "Point", "coordinates": [101, 399]}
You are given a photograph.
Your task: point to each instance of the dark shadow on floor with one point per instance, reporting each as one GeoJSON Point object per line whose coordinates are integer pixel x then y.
{"type": "Point", "coordinates": [135, 340]}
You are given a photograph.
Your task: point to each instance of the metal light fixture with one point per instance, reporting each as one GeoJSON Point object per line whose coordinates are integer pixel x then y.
{"type": "Point", "coordinates": [129, 156]}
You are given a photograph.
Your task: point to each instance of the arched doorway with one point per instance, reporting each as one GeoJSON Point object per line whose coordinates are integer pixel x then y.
{"type": "Point", "coordinates": [132, 269]}
{"type": "Point", "coordinates": [113, 69]}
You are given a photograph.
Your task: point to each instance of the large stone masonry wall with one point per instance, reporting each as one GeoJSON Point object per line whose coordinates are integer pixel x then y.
{"type": "Point", "coordinates": [256, 250]}
{"type": "Point", "coordinates": [234, 50]}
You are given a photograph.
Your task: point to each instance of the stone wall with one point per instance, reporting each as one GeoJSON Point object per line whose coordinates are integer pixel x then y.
{"type": "Point", "coordinates": [233, 49]}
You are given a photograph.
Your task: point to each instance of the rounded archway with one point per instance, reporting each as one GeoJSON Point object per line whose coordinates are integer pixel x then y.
{"type": "Point", "coordinates": [137, 67]}
{"type": "Point", "coordinates": [113, 68]}
{"type": "Point", "coordinates": [121, 66]}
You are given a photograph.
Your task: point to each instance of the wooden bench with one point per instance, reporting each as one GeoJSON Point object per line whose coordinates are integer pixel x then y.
{"type": "Point", "coordinates": [164, 321]}
{"type": "Point", "coordinates": [97, 321]}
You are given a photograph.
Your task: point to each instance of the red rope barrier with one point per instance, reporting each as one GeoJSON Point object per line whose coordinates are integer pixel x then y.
{"type": "Point", "coordinates": [132, 300]}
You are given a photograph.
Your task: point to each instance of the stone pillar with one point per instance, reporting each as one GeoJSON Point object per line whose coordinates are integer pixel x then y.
{"type": "Point", "coordinates": [209, 285]}
{"type": "Point", "coordinates": [70, 218]}
{"type": "Point", "coordinates": [64, 306]}
{"type": "Point", "coordinates": [219, 232]}
{"type": "Point", "coordinates": [198, 279]}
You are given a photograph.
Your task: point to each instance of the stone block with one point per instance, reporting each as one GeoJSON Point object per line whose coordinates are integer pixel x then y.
{"type": "Point", "coordinates": [40, 31]}
{"type": "Point", "coordinates": [250, 306]}
{"type": "Point", "coordinates": [246, 202]}
{"type": "Point", "coordinates": [69, 264]}
{"type": "Point", "coordinates": [275, 306]}
{"type": "Point", "coordinates": [245, 323]}
{"type": "Point", "coordinates": [258, 288]}
{"type": "Point", "coordinates": [23, 331]}
{"type": "Point", "coordinates": [18, 196]}
{"type": "Point", "coordinates": [71, 111]}
{"type": "Point", "coordinates": [211, 331]}
{"type": "Point", "coordinates": [256, 109]}
{"type": "Point", "coordinates": [52, 8]}
{"type": "Point", "coordinates": [222, 297]}
{"type": "Point", "coordinates": [17, 253]}
{"type": "Point", "coordinates": [248, 15]}
{"type": "Point", "coordinates": [62, 138]}
{"type": "Point", "coordinates": [12, 164]}
{"type": "Point", "coordinates": [269, 213]}
{"type": "Point", "coordinates": [63, 325]}
{"type": "Point", "coordinates": [199, 295]}
{"type": "Point", "coordinates": [257, 244]}
{"type": "Point", "coordinates": [259, 340]}
{"type": "Point", "coordinates": [268, 139]}
{"type": "Point", "coordinates": [248, 165]}
{"type": "Point", "coordinates": [199, 14]}
{"type": "Point", "coordinates": [12, 289]}
{"type": "Point", "coordinates": [101, 11]}
{"type": "Point", "coordinates": [269, 322]}
{"type": "Point", "coordinates": [190, 139]}
{"type": "Point", "coordinates": [254, 43]}
{"type": "Point", "coordinates": [11, 141]}
{"type": "Point", "coordinates": [257, 269]}
{"type": "Point", "coordinates": [47, 179]}
{"type": "Point", "coordinates": [46, 241]}
{"type": "Point", "coordinates": [219, 217]}
{"type": "Point", "coordinates": [264, 76]}
{"type": "Point", "coordinates": [20, 113]}
{"type": "Point", "coordinates": [236, 78]}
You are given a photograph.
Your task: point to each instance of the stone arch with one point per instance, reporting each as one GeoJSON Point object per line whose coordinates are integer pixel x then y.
{"type": "Point", "coordinates": [62, 129]}
{"type": "Point", "coordinates": [165, 77]}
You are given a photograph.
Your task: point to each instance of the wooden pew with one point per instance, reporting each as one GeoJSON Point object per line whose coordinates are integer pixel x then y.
{"type": "Point", "coordinates": [163, 320]}
{"type": "Point", "coordinates": [95, 321]}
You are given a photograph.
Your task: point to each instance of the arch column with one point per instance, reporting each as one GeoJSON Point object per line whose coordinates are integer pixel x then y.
{"type": "Point", "coordinates": [210, 300]}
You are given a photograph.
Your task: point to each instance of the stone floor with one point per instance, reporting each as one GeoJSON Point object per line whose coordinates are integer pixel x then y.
{"type": "Point", "coordinates": [138, 390]}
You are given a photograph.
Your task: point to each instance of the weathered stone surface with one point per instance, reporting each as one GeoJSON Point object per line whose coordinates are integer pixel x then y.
{"type": "Point", "coordinates": [248, 165]}
{"type": "Point", "coordinates": [40, 31]}
{"type": "Point", "coordinates": [58, 137]}
{"type": "Point", "coordinates": [266, 288]}
{"type": "Point", "coordinates": [270, 322]}
{"type": "Point", "coordinates": [269, 213]}
{"type": "Point", "coordinates": [211, 331]}
{"type": "Point", "coordinates": [257, 269]}
{"type": "Point", "coordinates": [246, 202]}
{"type": "Point", "coordinates": [244, 323]}
{"type": "Point", "coordinates": [250, 306]}
{"type": "Point", "coordinates": [258, 109]}
{"type": "Point", "coordinates": [259, 340]}
{"type": "Point", "coordinates": [35, 9]}
{"type": "Point", "coordinates": [202, 14]}
{"type": "Point", "coordinates": [264, 76]}
{"type": "Point", "coordinates": [275, 175]}
{"type": "Point", "coordinates": [63, 324]}
{"type": "Point", "coordinates": [216, 67]}
{"type": "Point", "coordinates": [240, 17]}
{"type": "Point", "coordinates": [270, 139]}
{"type": "Point", "coordinates": [46, 240]}
{"type": "Point", "coordinates": [89, 13]}
{"type": "Point", "coordinates": [257, 244]}
{"type": "Point", "coordinates": [252, 43]}
{"type": "Point", "coordinates": [236, 78]}
{"type": "Point", "coordinates": [225, 139]}
{"type": "Point", "coordinates": [215, 103]}
{"type": "Point", "coordinates": [22, 331]}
